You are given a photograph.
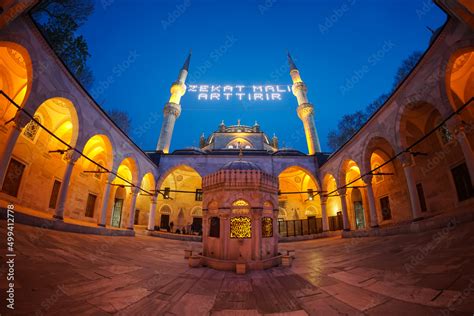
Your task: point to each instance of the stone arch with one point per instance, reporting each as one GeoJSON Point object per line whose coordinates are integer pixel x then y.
{"type": "Point", "coordinates": [298, 179]}
{"type": "Point", "coordinates": [166, 209]}
{"type": "Point", "coordinates": [196, 211]}
{"type": "Point", "coordinates": [16, 77]}
{"type": "Point", "coordinates": [412, 122]}
{"type": "Point", "coordinates": [449, 60]}
{"type": "Point", "coordinates": [333, 200]}
{"type": "Point", "coordinates": [98, 148]}
{"type": "Point", "coordinates": [375, 143]}
{"type": "Point", "coordinates": [357, 209]}
{"type": "Point", "coordinates": [343, 165]}
{"type": "Point", "coordinates": [172, 169]}
{"type": "Point", "coordinates": [61, 117]}
{"type": "Point", "coordinates": [128, 170]}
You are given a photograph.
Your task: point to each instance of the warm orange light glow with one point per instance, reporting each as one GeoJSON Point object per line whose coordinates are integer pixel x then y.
{"type": "Point", "coordinates": [98, 147]}
{"type": "Point", "coordinates": [15, 68]}
{"type": "Point", "coordinates": [460, 78]}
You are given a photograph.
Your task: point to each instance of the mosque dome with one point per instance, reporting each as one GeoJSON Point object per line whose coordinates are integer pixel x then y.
{"type": "Point", "coordinates": [240, 165]}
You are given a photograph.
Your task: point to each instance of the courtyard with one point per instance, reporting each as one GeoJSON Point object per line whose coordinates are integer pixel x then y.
{"type": "Point", "coordinates": [429, 273]}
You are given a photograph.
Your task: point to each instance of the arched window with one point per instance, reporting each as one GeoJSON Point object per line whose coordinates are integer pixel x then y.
{"type": "Point", "coordinates": [267, 227]}
{"type": "Point", "coordinates": [32, 128]}
{"type": "Point", "coordinates": [214, 227]}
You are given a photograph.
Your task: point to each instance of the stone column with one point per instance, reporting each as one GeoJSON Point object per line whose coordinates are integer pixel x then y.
{"type": "Point", "coordinates": [131, 219]}
{"type": "Point", "coordinates": [276, 232]}
{"type": "Point", "coordinates": [151, 216]}
{"type": "Point", "coordinates": [374, 223]}
{"type": "Point", "coordinates": [105, 200]}
{"type": "Point", "coordinates": [345, 216]}
{"type": "Point", "coordinates": [71, 158]}
{"type": "Point", "coordinates": [324, 213]}
{"type": "Point", "coordinates": [407, 164]}
{"type": "Point", "coordinates": [466, 148]}
{"type": "Point", "coordinates": [224, 233]}
{"type": "Point", "coordinates": [205, 230]}
{"type": "Point", "coordinates": [20, 121]}
{"type": "Point", "coordinates": [256, 233]}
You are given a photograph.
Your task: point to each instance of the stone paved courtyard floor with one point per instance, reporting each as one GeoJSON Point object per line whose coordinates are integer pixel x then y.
{"type": "Point", "coordinates": [58, 273]}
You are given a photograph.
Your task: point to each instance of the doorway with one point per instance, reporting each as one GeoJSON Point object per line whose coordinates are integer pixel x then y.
{"type": "Point", "coordinates": [118, 206]}
{"type": "Point", "coordinates": [358, 208]}
{"type": "Point", "coordinates": [165, 221]}
{"type": "Point", "coordinates": [117, 213]}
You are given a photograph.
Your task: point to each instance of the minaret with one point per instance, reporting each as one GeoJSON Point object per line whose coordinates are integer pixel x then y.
{"type": "Point", "coordinates": [305, 109]}
{"type": "Point", "coordinates": [172, 109]}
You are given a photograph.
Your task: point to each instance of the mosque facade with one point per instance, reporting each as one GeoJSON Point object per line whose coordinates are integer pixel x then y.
{"type": "Point", "coordinates": [62, 157]}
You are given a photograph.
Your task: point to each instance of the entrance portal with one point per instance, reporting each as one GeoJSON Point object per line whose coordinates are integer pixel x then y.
{"type": "Point", "coordinates": [117, 213]}
{"type": "Point", "coordinates": [358, 208]}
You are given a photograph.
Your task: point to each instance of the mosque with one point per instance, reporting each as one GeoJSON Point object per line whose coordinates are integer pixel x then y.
{"type": "Point", "coordinates": [62, 158]}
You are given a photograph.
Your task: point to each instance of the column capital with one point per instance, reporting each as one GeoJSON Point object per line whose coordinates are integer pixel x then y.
{"type": "Point", "coordinates": [135, 190]}
{"type": "Point", "coordinates": [71, 156]}
{"type": "Point", "coordinates": [154, 199]}
{"type": "Point", "coordinates": [323, 199]}
{"type": "Point", "coordinates": [368, 179]}
{"type": "Point", "coordinates": [406, 160]}
{"type": "Point", "coordinates": [20, 120]}
{"type": "Point", "coordinates": [341, 192]}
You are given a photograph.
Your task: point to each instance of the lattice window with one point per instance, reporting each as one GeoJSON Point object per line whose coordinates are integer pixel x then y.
{"type": "Point", "coordinates": [267, 227]}
{"type": "Point", "coordinates": [32, 128]}
{"type": "Point", "coordinates": [240, 227]}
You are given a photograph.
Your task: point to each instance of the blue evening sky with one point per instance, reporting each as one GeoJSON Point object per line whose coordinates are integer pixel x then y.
{"type": "Point", "coordinates": [347, 52]}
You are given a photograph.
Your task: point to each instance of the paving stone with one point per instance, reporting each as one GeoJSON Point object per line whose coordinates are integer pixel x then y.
{"type": "Point", "coordinates": [356, 297]}
{"type": "Point", "coordinates": [56, 275]}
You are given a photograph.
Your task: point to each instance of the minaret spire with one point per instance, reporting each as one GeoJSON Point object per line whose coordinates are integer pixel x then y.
{"type": "Point", "coordinates": [291, 63]}
{"type": "Point", "coordinates": [172, 109]}
{"type": "Point", "coordinates": [187, 61]}
{"type": "Point", "coordinates": [305, 109]}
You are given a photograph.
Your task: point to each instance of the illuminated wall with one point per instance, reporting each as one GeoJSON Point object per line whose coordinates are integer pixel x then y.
{"type": "Point", "coordinates": [301, 205]}
{"type": "Point", "coordinates": [181, 205]}
{"type": "Point", "coordinates": [15, 69]}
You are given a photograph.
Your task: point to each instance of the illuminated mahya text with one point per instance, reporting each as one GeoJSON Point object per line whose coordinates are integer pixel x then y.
{"type": "Point", "coordinates": [206, 92]}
